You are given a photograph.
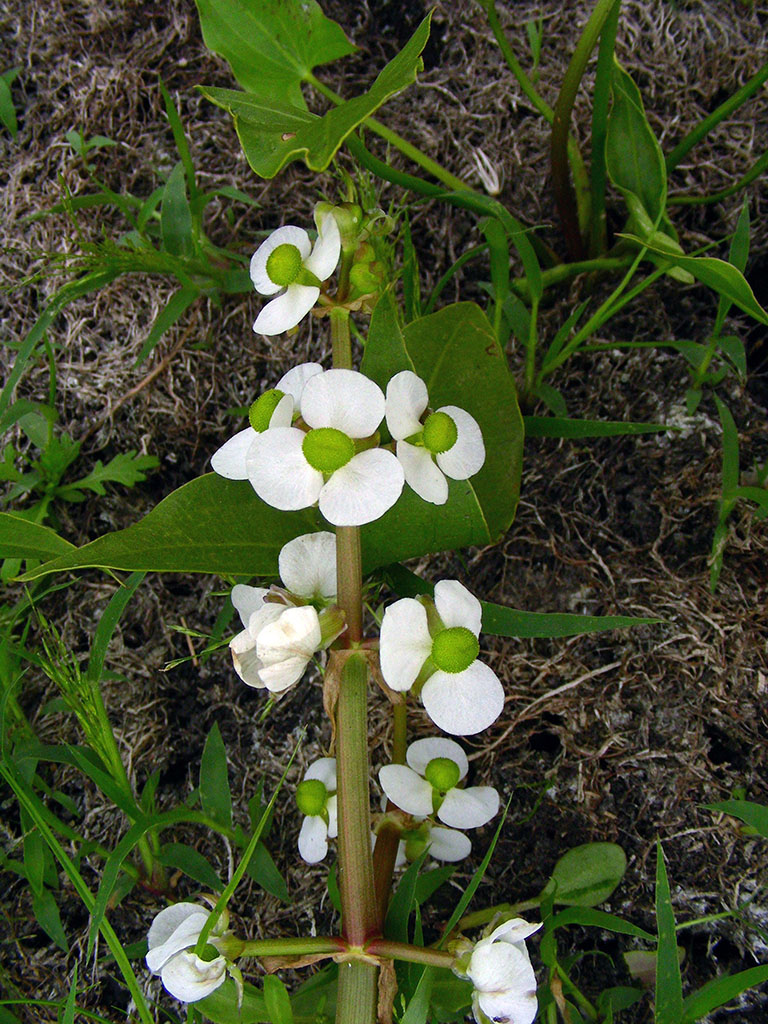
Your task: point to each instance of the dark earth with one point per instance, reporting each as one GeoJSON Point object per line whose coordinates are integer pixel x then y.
{"type": "Point", "coordinates": [618, 736]}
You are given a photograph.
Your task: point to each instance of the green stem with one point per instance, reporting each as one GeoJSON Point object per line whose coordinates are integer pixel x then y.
{"type": "Point", "coordinates": [530, 353]}
{"type": "Point", "coordinates": [292, 947]}
{"type": "Point", "coordinates": [598, 172]}
{"type": "Point", "coordinates": [565, 197]}
{"type": "Point", "coordinates": [480, 917]}
{"type": "Point", "coordinates": [357, 994]}
{"type": "Point", "coordinates": [388, 836]}
{"type": "Point", "coordinates": [565, 271]}
{"type": "Point", "coordinates": [406, 148]}
{"type": "Point", "coordinates": [413, 954]}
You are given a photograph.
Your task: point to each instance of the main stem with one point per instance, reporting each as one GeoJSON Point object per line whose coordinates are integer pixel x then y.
{"type": "Point", "coordinates": [358, 982]}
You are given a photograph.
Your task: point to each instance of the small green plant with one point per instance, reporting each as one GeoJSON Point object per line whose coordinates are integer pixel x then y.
{"type": "Point", "coordinates": [7, 108]}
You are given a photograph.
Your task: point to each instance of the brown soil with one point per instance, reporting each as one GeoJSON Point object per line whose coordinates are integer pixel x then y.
{"type": "Point", "coordinates": [619, 736]}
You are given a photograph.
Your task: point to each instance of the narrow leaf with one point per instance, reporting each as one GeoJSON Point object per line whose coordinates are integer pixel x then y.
{"type": "Point", "coordinates": [20, 538]}
{"type": "Point", "coordinates": [278, 1001]}
{"type": "Point", "coordinates": [720, 991]}
{"type": "Point", "coordinates": [669, 986]}
{"type": "Point", "coordinates": [177, 306]}
{"type": "Point", "coordinates": [554, 426]}
{"type": "Point", "coordinates": [753, 814]}
{"type": "Point", "coordinates": [175, 215]}
{"type": "Point", "coordinates": [215, 797]}
{"type": "Point", "coordinates": [108, 624]}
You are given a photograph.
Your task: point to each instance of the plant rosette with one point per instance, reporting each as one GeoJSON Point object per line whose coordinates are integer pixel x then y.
{"type": "Point", "coordinates": [278, 407]}
{"type": "Point", "coordinates": [282, 632]}
{"type": "Point", "coordinates": [316, 799]}
{"type": "Point", "coordinates": [501, 973]}
{"type": "Point", "coordinates": [332, 463]}
{"type": "Point", "coordinates": [434, 645]}
{"type": "Point", "coordinates": [448, 443]}
{"type": "Point", "coordinates": [171, 940]}
{"type": "Point", "coordinates": [286, 262]}
{"type": "Point", "coordinates": [429, 785]}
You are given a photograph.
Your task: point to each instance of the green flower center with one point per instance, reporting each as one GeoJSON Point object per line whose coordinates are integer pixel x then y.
{"type": "Point", "coordinates": [454, 650]}
{"type": "Point", "coordinates": [327, 449]}
{"type": "Point", "coordinates": [442, 773]}
{"type": "Point", "coordinates": [311, 796]}
{"type": "Point", "coordinates": [440, 433]}
{"type": "Point", "coordinates": [261, 411]}
{"type": "Point", "coordinates": [284, 264]}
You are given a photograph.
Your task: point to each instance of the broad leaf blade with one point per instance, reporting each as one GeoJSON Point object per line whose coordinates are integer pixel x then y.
{"type": "Point", "coordinates": [275, 132]}
{"type": "Point", "coordinates": [588, 874]}
{"type": "Point", "coordinates": [21, 539]}
{"type": "Point", "coordinates": [272, 45]}
{"type": "Point", "coordinates": [501, 621]}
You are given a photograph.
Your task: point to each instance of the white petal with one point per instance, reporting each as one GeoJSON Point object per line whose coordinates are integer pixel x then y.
{"type": "Point", "coordinates": [278, 471]}
{"type": "Point", "coordinates": [457, 607]}
{"type": "Point", "coordinates": [405, 643]}
{"type": "Point", "coordinates": [323, 769]}
{"type": "Point", "coordinates": [308, 565]}
{"type": "Point", "coordinates": [229, 460]}
{"type": "Point", "coordinates": [419, 754]}
{"type": "Point", "coordinates": [363, 490]}
{"type": "Point", "coordinates": [463, 703]}
{"type": "Point", "coordinates": [287, 235]}
{"type": "Point", "coordinates": [407, 399]}
{"type": "Point", "coordinates": [247, 600]}
{"type": "Point", "coordinates": [422, 474]}
{"type": "Point", "coordinates": [344, 399]}
{"type": "Point", "coordinates": [286, 646]}
{"type": "Point", "coordinates": [325, 255]}
{"type": "Point", "coordinates": [282, 415]}
{"type": "Point", "coordinates": [284, 312]}
{"type": "Point", "coordinates": [505, 981]}
{"type": "Point", "coordinates": [515, 930]}
{"type": "Point", "coordinates": [520, 1007]}
{"type": "Point", "coordinates": [467, 455]}
{"type": "Point", "coordinates": [292, 383]}
{"type": "Point", "coordinates": [447, 844]}
{"type": "Point", "coordinates": [173, 929]}
{"type": "Point", "coordinates": [469, 808]}
{"type": "Point", "coordinates": [407, 790]}
{"type": "Point", "coordinates": [189, 978]}
{"type": "Point", "coordinates": [332, 811]}
{"type": "Point", "coordinates": [245, 659]}
{"type": "Point", "coordinates": [313, 839]}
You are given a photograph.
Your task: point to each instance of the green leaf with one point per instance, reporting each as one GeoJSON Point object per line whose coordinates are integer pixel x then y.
{"type": "Point", "coordinates": [554, 426]}
{"type": "Point", "coordinates": [221, 1006]}
{"type": "Point", "coordinates": [192, 863]}
{"type": "Point", "coordinates": [501, 621]}
{"type": "Point", "coordinates": [401, 904]}
{"type": "Point", "coordinates": [126, 468]}
{"type": "Point", "coordinates": [7, 108]}
{"type": "Point", "coordinates": [753, 814]}
{"type": "Point", "coordinates": [263, 870]}
{"type": "Point", "coordinates": [208, 525]}
{"type": "Point", "coordinates": [272, 45]}
{"type": "Point", "coordinates": [633, 156]}
{"type": "Point", "coordinates": [669, 986]}
{"type": "Point", "coordinates": [177, 306]}
{"type": "Point", "coordinates": [274, 132]}
{"type": "Point", "coordinates": [70, 1005]}
{"type": "Point", "coordinates": [175, 215]}
{"type": "Point", "coordinates": [730, 471]}
{"type": "Point", "coordinates": [47, 916]}
{"type": "Point", "coordinates": [215, 797]}
{"type": "Point", "coordinates": [720, 991]}
{"type": "Point", "coordinates": [108, 624]}
{"type": "Point", "coordinates": [278, 1001]}
{"type": "Point", "coordinates": [591, 918]}
{"type": "Point", "coordinates": [722, 277]}
{"type": "Point", "coordinates": [588, 874]}
{"type": "Point", "coordinates": [456, 353]}
{"type": "Point", "coordinates": [22, 539]}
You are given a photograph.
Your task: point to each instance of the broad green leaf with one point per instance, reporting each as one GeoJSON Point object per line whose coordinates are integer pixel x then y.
{"type": "Point", "coordinates": [633, 155]}
{"type": "Point", "coordinates": [215, 797]}
{"type": "Point", "coordinates": [177, 306]}
{"type": "Point", "coordinates": [722, 277]}
{"type": "Point", "coordinates": [669, 986]}
{"type": "Point", "coordinates": [555, 426]}
{"type": "Point", "coordinates": [208, 525]}
{"type": "Point", "coordinates": [278, 1001]}
{"type": "Point", "coordinates": [272, 45]}
{"type": "Point", "coordinates": [720, 991]}
{"type": "Point", "coordinates": [274, 132]}
{"type": "Point", "coordinates": [47, 916]}
{"type": "Point", "coordinates": [501, 621]}
{"type": "Point", "coordinates": [588, 874]}
{"type": "Point", "coordinates": [192, 863]}
{"type": "Point", "coordinates": [175, 216]}
{"type": "Point", "coordinates": [456, 353]}
{"type": "Point", "coordinates": [22, 539]}
{"type": "Point", "coordinates": [751, 813]}
{"type": "Point", "coordinates": [730, 470]}
{"type": "Point", "coordinates": [221, 1006]}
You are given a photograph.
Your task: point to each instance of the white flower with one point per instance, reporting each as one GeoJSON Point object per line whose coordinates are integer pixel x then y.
{"type": "Point", "coordinates": [445, 844]}
{"type": "Point", "coordinates": [429, 784]}
{"type": "Point", "coordinates": [307, 565]}
{"type": "Point", "coordinates": [501, 972]}
{"type": "Point", "coordinates": [448, 444]}
{"type": "Point", "coordinates": [275, 408]}
{"type": "Point", "coordinates": [290, 469]}
{"type": "Point", "coordinates": [171, 940]}
{"type": "Point", "coordinates": [277, 643]}
{"type": "Point", "coordinates": [461, 695]}
{"type": "Point", "coordinates": [316, 797]}
{"type": "Point", "coordinates": [284, 261]}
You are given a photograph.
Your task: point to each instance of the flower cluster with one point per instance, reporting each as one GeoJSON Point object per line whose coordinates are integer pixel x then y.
{"type": "Point", "coordinates": [428, 787]}
{"type": "Point", "coordinates": [432, 647]}
{"type": "Point", "coordinates": [283, 629]}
